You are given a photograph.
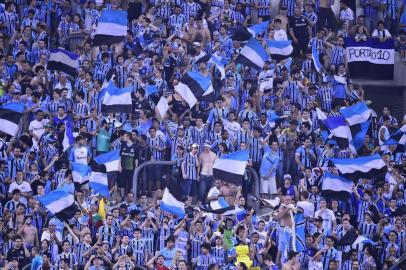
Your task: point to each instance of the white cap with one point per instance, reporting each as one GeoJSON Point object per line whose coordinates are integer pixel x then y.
{"type": "Point", "coordinates": [195, 145]}
{"type": "Point", "coordinates": [117, 124]}
{"type": "Point", "coordinates": [197, 44]}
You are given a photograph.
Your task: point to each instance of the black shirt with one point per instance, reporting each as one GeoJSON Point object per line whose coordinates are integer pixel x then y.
{"type": "Point", "coordinates": [143, 153]}
{"type": "Point", "coordinates": [17, 253]}
{"type": "Point", "coordinates": [141, 105]}
{"type": "Point", "coordinates": [299, 26]}
{"type": "Point", "coordinates": [128, 155]}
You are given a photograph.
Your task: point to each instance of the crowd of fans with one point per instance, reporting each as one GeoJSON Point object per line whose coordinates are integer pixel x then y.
{"type": "Point", "coordinates": [278, 126]}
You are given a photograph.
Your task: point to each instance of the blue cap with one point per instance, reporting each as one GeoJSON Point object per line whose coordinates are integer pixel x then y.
{"type": "Point", "coordinates": [333, 142]}
{"type": "Point", "coordinates": [51, 138]}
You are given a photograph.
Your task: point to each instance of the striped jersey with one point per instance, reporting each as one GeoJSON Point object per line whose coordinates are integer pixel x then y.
{"type": "Point", "coordinates": [264, 11]}
{"type": "Point", "coordinates": [10, 21]}
{"type": "Point", "coordinates": [190, 9]}
{"type": "Point", "coordinates": [195, 244]}
{"type": "Point", "coordinates": [220, 255]}
{"type": "Point", "coordinates": [107, 233]}
{"type": "Point", "coordinates": [80, 249]}
{"type": "Point", "coordinates": [318, 44]}
{"type": "Point", "coordinates": [190, 166]}
{"type": "Point", "coordinates": [337, 55]}
{"type": "Point", "coordinates": [138, 248]}
{"type": "Point", "coordinates": [154, 143]}
{"type": "Point", "coordinates": [293, 91]}
{"type": "Point", "coordinates": [82, 110]}
{"type": "Point", "coordinates": [325, 95]}
{"type": "Point", "coordinates": [70, 256]}
{"type": "Point", "coordinates": [204, 261]}
{"type": "Point", "coordinates": [368, 229]}
{"type": "Point", "coordinates": [290, 5]}
{"type": "Point", "coordinates": [255, 148]}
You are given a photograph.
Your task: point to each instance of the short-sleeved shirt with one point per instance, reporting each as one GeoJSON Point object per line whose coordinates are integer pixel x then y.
{"type": "Point", "coordinates": [168, 254]}
{"type": "Point", "coordinates": [17, 253]}
{"type": "Point", "coordinates": [298, 26]}
{"type": "Point", "coordinates": [103, 141]}
{"type": "Point", "coordinates": [128, 155]}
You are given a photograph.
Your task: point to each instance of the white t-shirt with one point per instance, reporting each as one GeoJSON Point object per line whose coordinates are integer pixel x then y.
{"type": "Point", "coordinates": [23, 187]}
{"type": "Point", "coordinates": [67, 85]}
{"type": "Point", "coordinates": [386, 137]}
{"type": "Point", "coordinates": [380, 34]}
{"type": "Point", "coordinates": [328, 217]}
{"type": "Point", "coordinates": [54, 247]}
{"type": "Point", "coordinates": [346, 15]}
{"type": "Point", "coordinates": [47, 236]}
{"type": "Point", "coordinates": [232, 127]}
{"type": "Point", "coordinates": [214, 191]}
{"type": "Point", "coordinates": [80, 155]}
{"type": "Point", "coordinates": [280, 35]}
{"type": "Point", "coordinates": [37, 128]}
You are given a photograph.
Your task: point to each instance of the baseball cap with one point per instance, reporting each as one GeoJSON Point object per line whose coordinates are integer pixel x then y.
{"type": "Point", "coordinates": [195, 145]}
{"type": "Point", "coordinates": [197, 44]}
{"type": "Point", "coordinates": [207, 144]}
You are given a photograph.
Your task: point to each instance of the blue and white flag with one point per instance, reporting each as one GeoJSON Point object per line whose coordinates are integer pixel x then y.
{"type": "Point", "coordinates": [259, 29]}
{"type": "Point", "coordinates": [253, 54]}
{"type": "Point", "coordinates": [221, 206]}
{"type": "Point", "coordinates": [110, 159]}
{"type": "Point", "coordinates": [68, 139]}
{"type": "Point", "coordinates": [336, 187]}
{"type": "Point", "coordinates": [273, 118]}
{"type": "Point", "coordinates": [80, 173]}
{"type": "Point", "coordinates": [355, 168]}
{"type": "Point", "coordinates": [358, 118]}
{"type": "Point", "coordinates": [63, 60]}
{"type": "Point", "coordinates": [99, 184]}
{"type": "Point", "coordinates": [316, 59]}
{"type": "Point", "coordinates": [242, 34]}
{"type": "Point", "coordinates": [279, 49]}
{"type": "Point", "coordinates": [357, 113]}
{"type": "Point", "coordinates": [116, 100]}
{"type": "Point", "coordinates": [193, 86]}
{"type": "Point", "coordinates": [216, 60]}
{"type": "Point", "coordinates": [231, 167]}
{"type": "Point", "coordinates": [10, 116]}
{"type": "Point", "coordinates": [111, 28]}
{"type": "Point", "coordinates": [60, 203]}
{"type": "Point", "coordinates": [300, 241]}
{"type": "Point", "coordinates": [162, 107]}
{"type": "Point", "coordinates": [371, 59]}
{"type": "Point", "coordinates": [151, 89]}
{"type": "Point", "coordinates": [358, 133]}
{"type": "Point", "coordinates": [338, 128]}
{"type": "Point", "coordinates": [360, 241]}
{"type": "Point", "coordinates": [398, 137]}
{"type": "Point", "coordinates": [172, 202]}
{"type": "Point", "coordinates": [98, 179]}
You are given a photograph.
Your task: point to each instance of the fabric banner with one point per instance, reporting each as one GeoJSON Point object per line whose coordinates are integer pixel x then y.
{"type": "Point", "coordinates": [371, 59]}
